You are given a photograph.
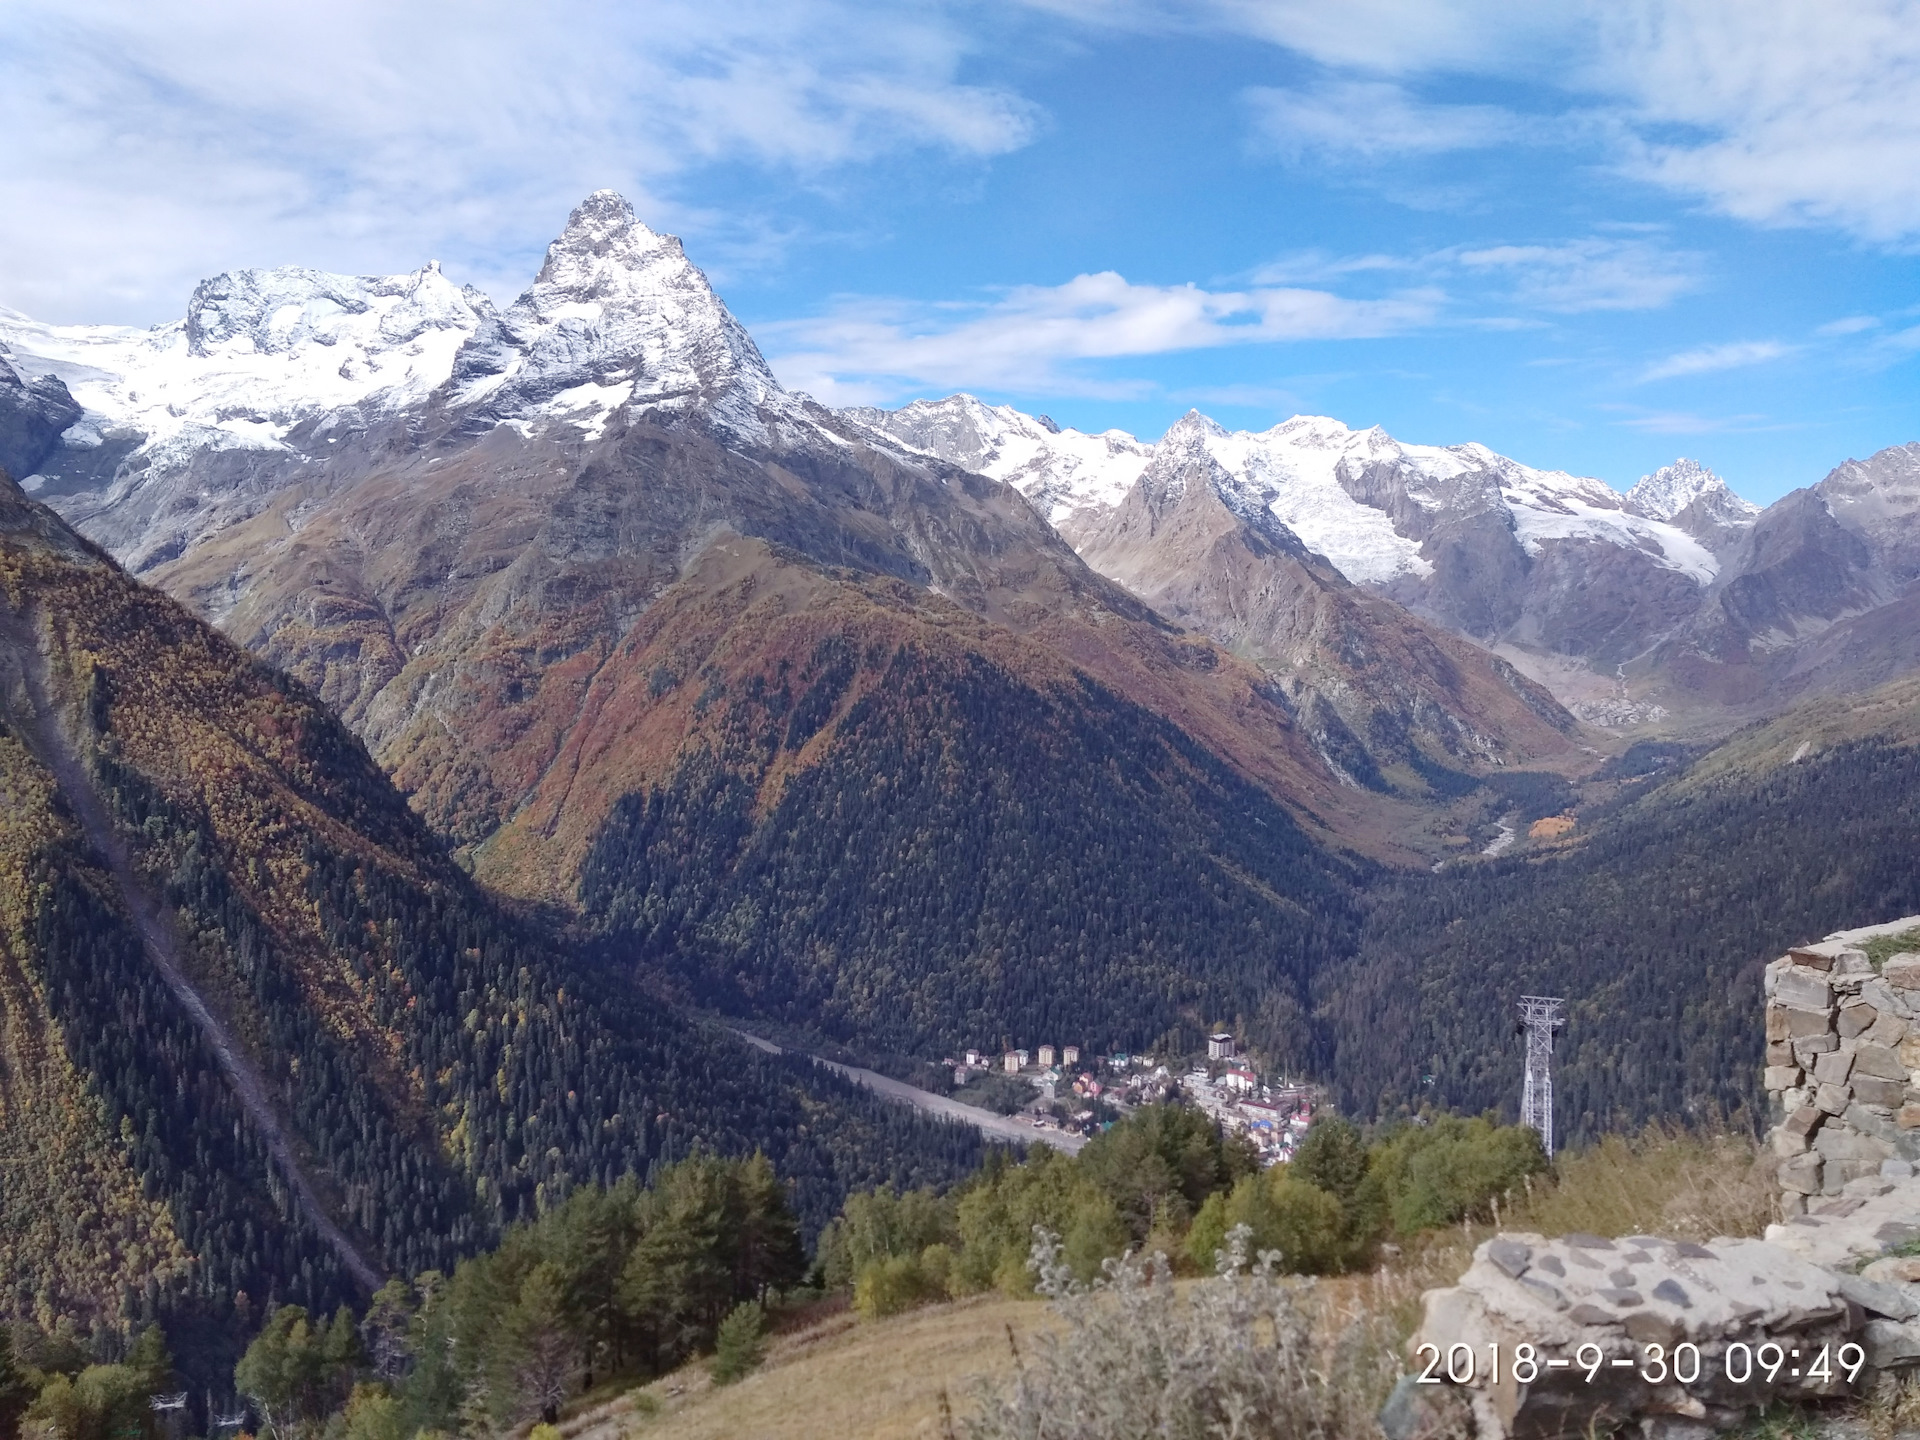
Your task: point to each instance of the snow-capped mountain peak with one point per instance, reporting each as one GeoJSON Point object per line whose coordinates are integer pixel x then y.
{"type": "Point", "coordinates": [617, 315]}
{"type": "Point", "coordinates": [1059, 470]}
{"type": "Point", "coordinates": [257, 352]}
{"type": "Point", "coordinates": [1191, 430]}
{"type": "Point", "coordinates": [280, 312]}
{"type": "Point", "coordinates": [1672, 488]}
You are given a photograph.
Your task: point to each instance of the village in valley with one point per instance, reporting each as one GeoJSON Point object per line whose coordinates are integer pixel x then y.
{"type": "Point", "coordinates": [1084, 1096]}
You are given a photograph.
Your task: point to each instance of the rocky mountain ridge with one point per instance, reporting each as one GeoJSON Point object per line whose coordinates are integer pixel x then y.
{"type": "Point", "coordinates": [1676, 600]}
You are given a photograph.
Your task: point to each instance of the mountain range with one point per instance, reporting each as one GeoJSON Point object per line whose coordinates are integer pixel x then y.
{"type": "Point", "coordinates": [1677, 601]}
{"type": "Point", "coordinates": [260, 1040]}
{"type": "Point", "coordinates": [413, 707]}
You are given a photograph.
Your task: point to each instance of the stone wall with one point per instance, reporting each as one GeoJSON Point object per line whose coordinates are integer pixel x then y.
{"type": "Point", "coordinates": [1843, 1063]}
{"type": "Point", "coordinates": [1841, 1269]}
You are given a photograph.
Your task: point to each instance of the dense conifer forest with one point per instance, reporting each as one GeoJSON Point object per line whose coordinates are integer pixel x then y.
{"type": "Point", "coordinates": [440, 1066]}
{"type": "Point", "coordinates": [1656, 927]}
{"type": "Point", "coordinates": [974, 858]}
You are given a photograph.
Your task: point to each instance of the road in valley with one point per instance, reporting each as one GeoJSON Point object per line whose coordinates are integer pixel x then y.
{"type": "Point", "coordinates": [994, 1127]}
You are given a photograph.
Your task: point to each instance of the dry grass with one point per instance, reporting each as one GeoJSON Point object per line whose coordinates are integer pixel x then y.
{"type": "Point", "coordinates": [838, 1379]}
{"type": "Point", "coordinates": [1663, 1181]}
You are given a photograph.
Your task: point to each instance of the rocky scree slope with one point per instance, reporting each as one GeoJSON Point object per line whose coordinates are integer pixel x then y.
{"type": "Point", "coordinates": [604, 552]}
{"type": "Point", "coordinates": [260, 1039]}
{"type": "Point", "coordinates": [1379, 689]}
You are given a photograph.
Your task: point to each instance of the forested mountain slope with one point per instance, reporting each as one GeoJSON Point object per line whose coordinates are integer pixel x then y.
{"type": "Point", "coordinates": [260, 1039]}
{"type": "Point", "coordinates": [914, 830]}
{"type": "Point", "coordinates": [1655, 926]}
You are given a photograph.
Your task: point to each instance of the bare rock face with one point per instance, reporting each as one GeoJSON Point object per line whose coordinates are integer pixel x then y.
{"type": "Point", "coordinates": [33, 413]}
{"type": "Point", "coordinates": [1374, 684]}
{"type": "Point", "coordinates": [1817, 596]}
{"type": "Point", "coordinates": [1689, 495]}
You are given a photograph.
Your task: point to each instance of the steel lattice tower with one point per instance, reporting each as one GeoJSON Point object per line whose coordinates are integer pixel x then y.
{"type": "Point", "coordinates": [1541, 1017]}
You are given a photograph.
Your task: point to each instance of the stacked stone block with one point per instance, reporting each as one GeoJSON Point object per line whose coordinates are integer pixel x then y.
{"type": "Point", "coordinates": [1843, 1065]}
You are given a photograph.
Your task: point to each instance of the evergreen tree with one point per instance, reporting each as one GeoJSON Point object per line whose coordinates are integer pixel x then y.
{"type": "Point", "coordinates": [15, 1393]}
{"type": "Point", "coordinates": [539, 1347]}
{"type": "Point", "coordinates": [740, 1344]}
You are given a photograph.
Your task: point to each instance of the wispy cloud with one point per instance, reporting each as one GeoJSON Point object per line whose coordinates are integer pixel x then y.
{"type": "Point", "coordinates": [1684, 422]}
{"type": "Point", "coordinates": [1850, 325]}
{"type": "Point", "coordinates": [359, 133]}
{"type": "Point", "coordinates": [1590, 274]}
{"type": "Point", "coordinates": [1779, 112]}
{"type": "Point", "coordinates": [1370, 120]}
{"type": "Point", "coordinates": [1039, 338]}
{"type": "Point", "coordinates": [1708, 358]}
{"type": "Point", "coordinates": [1804, 114]}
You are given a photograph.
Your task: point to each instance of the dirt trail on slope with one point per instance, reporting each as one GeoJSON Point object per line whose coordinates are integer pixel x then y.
{"type": "Point", "coordinates": [162, 943]}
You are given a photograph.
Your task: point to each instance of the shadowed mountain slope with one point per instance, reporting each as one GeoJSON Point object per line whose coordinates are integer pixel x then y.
{"type": "Point", "coordinates": [1655, 925]}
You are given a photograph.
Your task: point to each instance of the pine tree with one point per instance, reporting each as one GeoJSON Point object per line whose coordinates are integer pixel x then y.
{"type": "Point", "coordinates": [741, 1343]}
{"type": "Point", "coordinates": [15, 1393]}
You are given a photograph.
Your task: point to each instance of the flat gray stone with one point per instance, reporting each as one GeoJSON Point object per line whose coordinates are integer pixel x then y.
{"type": "Point", "coordinates": [1624, 1298]}
{"type": "Point", "coordinates": [1510, 1255]}
{"type": "Point", "coordinates": [1584, 1241]}
{"type": "Point", "coordinates": [1671, 1291]}
{"type": "Point", "coordinates": [1888, 1300]}
{"type": "Point", "coordinates": [1799, 989]}
{"type": "Point", "coordinates": [1552, 1294]}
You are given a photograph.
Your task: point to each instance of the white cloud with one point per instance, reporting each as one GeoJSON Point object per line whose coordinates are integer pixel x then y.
{"type": "Point", "coordinates": [1849, 325]}
{"type": "Point", "coordinates": [1709, 358]}
{"type": "Point", "coordinates": [1803, 113]}
{"type": "Point", "coordinates": [1371, 120]}
{"type": "Point", "coordinates": [1685, 422]}
{"type": "Point", "coordinates": [156, 140]}
{"type": "Point", "coordinates": [1574, 276]}
{"type": "Point", "coordinates": [1035, 338]}
{"type": "Point", "coordinates": [1779, 112]}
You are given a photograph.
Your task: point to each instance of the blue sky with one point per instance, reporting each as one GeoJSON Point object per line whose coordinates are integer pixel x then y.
{"type": "Point", "coordinates": [1594, 236]}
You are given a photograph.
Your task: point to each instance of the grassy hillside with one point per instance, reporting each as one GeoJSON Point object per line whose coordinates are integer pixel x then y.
{"type": "Point", "coordinates": [836, 1378]}
{"type": "Point", "coordinates": [922, 1374]}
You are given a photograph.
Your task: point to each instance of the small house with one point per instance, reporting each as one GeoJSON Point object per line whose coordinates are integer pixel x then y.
{"type": "Point", "coordinates": [1069, 1054]}
{"type": "Point", "coordinates": [1220, 1046]}
{"type": "Point", "coordinates": [1012, 1061]}
{"type": "Point", "coordinates": [1046, 1057]}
